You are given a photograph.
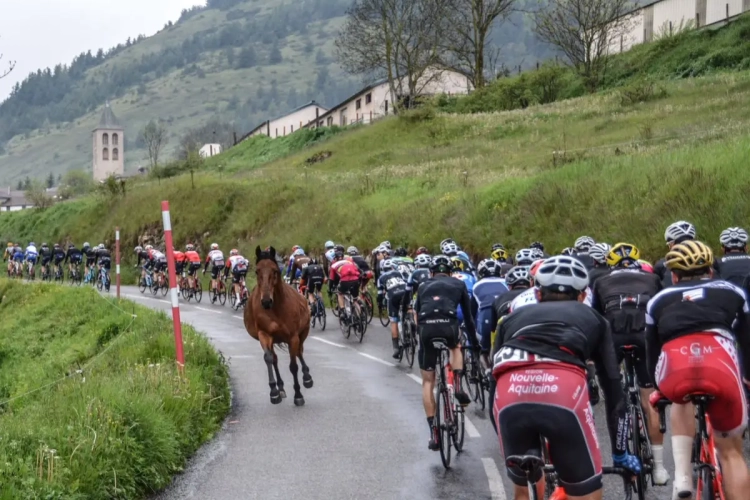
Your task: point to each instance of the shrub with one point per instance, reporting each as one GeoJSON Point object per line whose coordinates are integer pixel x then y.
{"type": "Point", "coordinates": [641, 91]}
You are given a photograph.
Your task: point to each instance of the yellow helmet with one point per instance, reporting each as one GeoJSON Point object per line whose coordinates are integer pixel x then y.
{"type": "Point", "coordinates": [458, 264]}
{"type": "Point", "coordinates": [499, 254]}
{"type": "Point", "coordinates": [10, 244]}
{"type": "Point", "coordinates": [621, 252]}
{"type": "Point", "coordinates": [690, 255]}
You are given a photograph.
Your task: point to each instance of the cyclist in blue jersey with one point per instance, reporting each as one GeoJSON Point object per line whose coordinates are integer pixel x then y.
{"type": "Point", "coordinates": [297, 251]}
{"type": "Point", "coordinates": [489, 287]}
{"type": "Point", "coordinates": [460, 272]}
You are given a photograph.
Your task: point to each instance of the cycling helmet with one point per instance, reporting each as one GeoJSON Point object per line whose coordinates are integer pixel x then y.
{"type": "Point", "coordinates": [32, 244]}
{"type": "Point", "coordinates": [329, 244]}
{"type": "Point", "coordinates": [214, 246]}
{"type": "Point", "coordinates": [518, 275]}
{"type": "Point", "coordinates": [446, 241]}
{"type": "Point", "coordinates": [387, 266]}
{"type": "Point", "coordinates": [487, 268]}
{"type": "Point", "coordinates": [691, 256]}
{"type": "Point", "coordinates": [458, 264]}
{"type": "Point", "coordinates": [423, 261]}
{"type": "Point", "coordinates": [499, 254]}
{"type": "Point", "coordinates": [137, 249]}
{"type": "Point", "coordinates": [338, 255]}
{"type": "Point", "coordinates": [599, 252]}
{"type": "Point", "coordinates": [352, 251]}
{"type": "Point", "coordinates": [400, 252]}
{"type": "Point", "coordinates": [234, 251]}
{"type": "Point", "coordinates": [534, 267]}
{"type": "Point", "coordinates": [299, 251]}
{"type": "Point", "coordinates": [56, 245]}
{"type": "Point", "coordinates": [86, 245]}
{"type": "Point", "coordinates": [422, 251]}
{"type": "Point", "coordinates": [441, 264]}
{"type": "Point", "coordinates": [189, 247]}
{"type": "Point", "coordinates": [538, 245]}
{"type": "Point", "coordinates": [623, 254]}
{"type": "Point", "coordinates": [733, 237]}
{"type": "Point", "coordinates": [386, 244]}
{"type": "Point", "coordinates": [584, 243]}
{"type": "Point", "coordinates": [450, 249]}
{"type": "Point", "coordinates": [313, 261]}
{"type": "Point", "coordinates": [679, 231]}
{"type": "Point", "coordinates": [536, 253]}
{"type": "Point", "coordinates": [525, 257]}
{"type": "Point", "coordinates": [562, 274]}
{"type": "Point", "coordinates": [295, 248]}
{"type": "Point", "coordinates": [44, 245]}
{"type": "Point", "coordinates": [10, 244]}
{"type": "Point", "coordinates": [339, 248]}
{"type": "Point", "coordinates": [101, 246]}
{"type": "Point", "coordinates": [149, 247]}
{"type": "Point", "coordinates": [498, 246]}
{"type": "Point", "coordinates": [569, 251]}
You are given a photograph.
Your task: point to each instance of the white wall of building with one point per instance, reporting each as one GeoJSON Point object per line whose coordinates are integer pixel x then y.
{"type": "Point", "coordinates": [209, 150]}
{"type": "Point", "coordinates": [109, 153]}
{"type": "Point", "coordinates": [290, 123]}
{"type": "Point", "coordinates": [716, 10]}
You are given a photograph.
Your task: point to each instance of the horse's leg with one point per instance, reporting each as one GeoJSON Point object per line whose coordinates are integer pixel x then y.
{"type": "Point", "coordinates": [267, 343]}
{"type": "Point", "coordinates": [293, 353]}
{"type": "Point", "coordinates": [307, 380]}
{"type": "Point", "coordinates": [279, 382]}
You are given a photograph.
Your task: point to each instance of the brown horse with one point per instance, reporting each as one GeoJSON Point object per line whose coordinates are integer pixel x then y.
{"type": "Point", "coordinates": [277, 314]}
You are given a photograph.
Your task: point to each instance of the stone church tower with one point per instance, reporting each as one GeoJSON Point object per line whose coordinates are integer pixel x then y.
{"type": "Point", "coordinates": [109, 146]}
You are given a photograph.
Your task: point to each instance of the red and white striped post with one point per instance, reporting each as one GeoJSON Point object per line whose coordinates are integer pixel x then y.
{"type": "Point", "coordinates": [173, 284]}
{"type": "Point", "coordinates": [117, 259]}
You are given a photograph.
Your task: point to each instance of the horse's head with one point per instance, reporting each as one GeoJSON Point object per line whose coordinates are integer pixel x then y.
{"type": "Point", "coordinates": [268, 275]}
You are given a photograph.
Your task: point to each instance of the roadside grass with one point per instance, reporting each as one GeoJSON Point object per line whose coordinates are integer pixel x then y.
{"type": "Point", "coordinates": [123, 426]}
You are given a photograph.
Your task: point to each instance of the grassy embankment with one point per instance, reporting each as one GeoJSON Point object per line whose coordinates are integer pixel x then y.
{"type": "Point", "coordinates": [122, 427]}
{"type": "Point", "coordinates": [619, 165]}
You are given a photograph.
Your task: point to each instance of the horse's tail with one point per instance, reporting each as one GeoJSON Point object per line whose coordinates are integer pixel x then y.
{"type": "Point", "coordinates": [283, 346]}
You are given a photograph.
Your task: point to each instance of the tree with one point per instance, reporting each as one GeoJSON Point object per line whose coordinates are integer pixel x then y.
{"type": "Point", "coordinates": [51, 180]}
{"type": "Point", "coordinates": [27, 183]}
{"type": "Point", "coordinates": [75, 183]}
{"type": "Point", "coordinates": [395, 39]}
{"type": "Point", "coordinates": [274, 57]}
{"type": "Point", "coordinates": [19, 187]}
{"type": "Point", "coordinates": [467, 38]}
{"type": "Point", "coordinates": [583, 30]}
{"type": "Point", "coordinates": [155, 137]}
{"type": "Point", "coordinates": [247, 58]}
{"type": "Point", "coordinates": [37, 195]}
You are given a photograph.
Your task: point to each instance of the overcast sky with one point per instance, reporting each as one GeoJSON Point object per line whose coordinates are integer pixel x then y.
{"type": "Point", "coordinates": [41, 33]}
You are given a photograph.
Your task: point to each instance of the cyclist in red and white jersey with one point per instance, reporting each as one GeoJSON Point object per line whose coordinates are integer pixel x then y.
{"type": "Point", "coordinates": [691, 332]}
{"type": "Point", "coordinates": [345, 276]}
{"type": "Point", "coordinates": [237, 265]}
{"type": "Point", "coordinates": [216, 258]}
{"type": "Point", "coordinates": [158, 259]}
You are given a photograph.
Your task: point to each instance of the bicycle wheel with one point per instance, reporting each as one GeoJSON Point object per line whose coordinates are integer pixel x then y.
{"type": "Point", "coordinates": [358, 324]}
{"type": "Point", "coordinates": [333, 300]}
{"type": "Point", "coordinates": [99, 283]}
{"type": "Point", "coordinates": [411, 338]}
{"type": "Point", "coordinates": [444, 423]}
{"type": "Point", "coordinates": [383, 316]}
{"type": "Point", "coordinates": [459, 432]}
{"type": "Point", "coordinates": [367, 299]}
{"type": "Point", "coordinates": [345, 329]}
{"type": "Point", "coordinates": [154, 286]}
{"type": "Point", "coordinates": [222, 294]}
{"type": "Point", "coordinates": [469, 372]}
{"type": "Point", "coordinates": [362, 314]}
{"type": "Point", "coordinates": [185, 291]}
{"type": "Point", "coordinates": [637, 443]}
{"type": "Point", "coordinates": [198, 291]}
{"type": "Point", "coordinates": [164, 287]}
{"type": "Point", "coordinates": [233, 299]}
{"type": "Point", "coordinates": [321, 313]}
{"type": "Point", "coordinates": [141, 284]}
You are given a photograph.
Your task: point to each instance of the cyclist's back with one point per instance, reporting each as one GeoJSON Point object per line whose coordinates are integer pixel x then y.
{"type": "Point", "coordinates": [416, 278]}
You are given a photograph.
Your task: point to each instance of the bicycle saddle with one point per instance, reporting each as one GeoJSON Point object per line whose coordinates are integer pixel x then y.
{"type": "Point", "coordinates": [530, 464]}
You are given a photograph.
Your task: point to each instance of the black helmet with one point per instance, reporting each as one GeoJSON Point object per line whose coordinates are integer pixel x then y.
{"type": "Point", "coordinates": [400, 252]}
{"type": "Point", "coordinates": [538, 245]}
{"type": "Point", "coordinates": [441, 264]}
{"type": "Point", "coordinates": [71, 245]}
{"type": "Point", "coordinates": [339, 248]}
{"type": "Point", "coordinates": [44, 245]}
{"type": "Point", "coordinates": [338, 255]}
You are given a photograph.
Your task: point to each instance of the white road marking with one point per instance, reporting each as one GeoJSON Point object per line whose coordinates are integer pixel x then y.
{"type": "Point", "coordinates": [415, 378]}
{"type": "Point", "coordinates": [241, 356]}
{"type": "Point", "coordinates": [238, 317]}
{"type": "Point", "coordinates": [470, 429]}
{"type": "Point", "coordinates": [208, 310]}
{"type": "Point", "coordinates": [495, 479]}
{"type": "Point", "coordinates": [375, 359]}
{"type": "Point", "coordinates": [163, 301]}
{"type": "Point", "coordinates": [327, 342]}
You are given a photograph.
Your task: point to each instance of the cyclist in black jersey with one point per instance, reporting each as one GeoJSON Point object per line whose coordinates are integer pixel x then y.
{"type": "Point", "coordinates": [598, 254]}
{"type": "Point", "coordinates": [45, 256]}
{"type": "Point", "coordinates": [734, 266]}
{"type": "Point", "coordinates": [518, 280]}
{"type": "Point", "coordinates": [104, 260]}
{"type": "Point", "coordinates": [73, 257]}
{"type": "Point", "coordinates": [676, 233]}
{"type": "Point", "coordinates": [391, 285]}
{"type": "Point", "coordinates": [58, 255]}
{"type": "Point", "coordinates": [621, 296]}
{"type": "Point", "coordinates": [312, 279]}
{"type": "Point", "coordinates": [539, 363]}
{"type": "Point", "coordinates": [692, 334]}
{"type": "Point", "coordinates": [419, 275]}
{"type": "Point", "coordinates": [582, 247]}
{"type": "Point", "coordinates": [436, 307]}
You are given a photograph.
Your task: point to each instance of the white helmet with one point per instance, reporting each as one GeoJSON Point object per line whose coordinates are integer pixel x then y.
{"type": "Point", "coordinates": [352, 251]}
{"type": "Point", "coordinates": [450, 249]}
{"type": "Point", "coordinates": [733, 237]}
{"type": "Point", "coordinates": [518, 275]}
{"type": "Point", "coordinates": [138, 249]}
{"type": "Point", "coordinates": [149, 247]}
{"type": "Point", "coordinates": [386, 244]}
{"type": "Point", "coordinates": [599, 252]}
{"type": "Point", "coordinates": [584, 243]}
{"type": "Point", "coordinates": [329, 244]}
{"type": "Point", "coordinates": [562, 273]}
{"type": "Point", "coordinates": [487, 268]}
{"type": "Point", "coordinates": [680, 230]}
{"type": "Point", "coordinates": [525, 257]}
{"type": "Point", "coordinates": [423, 261]}
{"type": "Point", "coordinates": [387, 266]}
{"type": "Point", "coordinates": [214, 246]}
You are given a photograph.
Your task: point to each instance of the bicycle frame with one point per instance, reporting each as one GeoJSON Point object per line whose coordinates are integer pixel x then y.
{"type": "Point", "coordinates": [708, 458]}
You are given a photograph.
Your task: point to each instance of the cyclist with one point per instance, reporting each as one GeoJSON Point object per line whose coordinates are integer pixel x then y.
{"type": "Point", "coordinates": [621, 296]}
{"type": "Point", "coordinates": [401, 256]}
{"type": "Point", "coordinates": [105, 262]}
{"type": "Point", "coordinates": [73, 257]}
{"type": "Point", "coordinates": [193, 259]}
{"type": "Point", "coordinates": [539, 364]}
{"type": "Point", "coordinates": [31, 255]}
{"type": "Point", "coordinates": [485, 292]}
{"type": "Point", "coordinates": [58, 255]}
{"type": "Point", "coordinates": [583, 246]}
{"type": "Point", "coordinates": [8, 256]}
{"type": "Point", "coordinates": [45, 256]}
{"type": "Point", "coordinates": [297, 262]}
{"type": "Point", "coordinates": [344, 276]}
{"type": "Point", "coordinates": [438, 300]}
{"type": "Point", "coordinates": [158, 259]}
{"type": "Point", "coordinates": [391, 286]}
{"type": "Point", "coordinates": [461, 273]}
{"type": "Point", "coordinates": [179, 263]}
{"type": "Point", "coordinates": [364, 267]}
{"type": "Point", "coordinates": [676, 233]}
{"type": "Point", "coordinates": [90, 254]}
{"type": "Point", "coordinates": [449, 248]}
{"type": "Point", "coordinates": [238, 265]}
{"type": "Point", "coordinates": [517, 280]}
{"type": "Point", "coordinates": [142, 255]}
{"type": "Point", "coordinates": [216, 258]}
{"type": "Point", "coordinates": [419, 275]}
{"type": "Point", "coordinates": [527, 296]}
{"type": "Point", "coordinates": [18, 256]}
{"type": "Point", "coordinates": [311, 280]}
{"type": "Point", "coordinates": [734, 266]}
{"type": "Point", "coordinates": [598, 253]}
{"type": "Point", "coordinates": [692, 328]}
{"type": "Point", "coordinates": [500, 255]}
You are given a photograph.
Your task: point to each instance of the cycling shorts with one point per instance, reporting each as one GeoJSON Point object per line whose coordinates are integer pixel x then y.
{"type": "Point", "coordinates": [18, 258]}
{"type": "Point", "coordinates": [194, 266]}
{"type": "Point", "coordinates": [215, 270]}
{"type": "Point", "coordinates": [395, 301]}
{"type": "Point", "coordinates": [106, 263]}
{"type": "Point", "coordinates": [549, 400]}
{"type": "Point", "coordinates": [160, 265]}
{"type": "Point", "coordinates": [58, 261]}
{"type": "Point", "coordinates": [705, 363]}
{"type": "Point", "coordinates": [237, 275]}
{"type": "Point", "coordinates": [31, 258]}
{"type": "Point", "coordinates": [428, 354]}
{"type": "Point", "coordinates": [350, 287]}
{"type": "Point", "coordinates": [179, 267]}
{"type": "Point", "coordinates": [638, 341]}
{"type": "Point", "coordinates": [45, 260]}
{"type": "Point", "coordinates": [314, 284]}
{"type": "Point", "coordinates": [76, 259]}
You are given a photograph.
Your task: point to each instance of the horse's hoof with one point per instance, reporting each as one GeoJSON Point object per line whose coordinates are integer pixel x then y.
{"type": "Point", "coordinates": [275, 398]}
{"type": "Point", "coordinates": [307, 383]}
{"type": "Point", "coordinates": [299, 401]}
{"type": "Point", "coordinates": [282, 392]}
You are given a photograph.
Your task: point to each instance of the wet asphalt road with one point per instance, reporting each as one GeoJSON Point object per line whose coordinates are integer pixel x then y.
{"type": "Point", "coordinates": [361, 434]}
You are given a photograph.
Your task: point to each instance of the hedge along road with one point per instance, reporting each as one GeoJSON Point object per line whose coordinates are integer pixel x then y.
{"type": "Point", "coordinates": [361, 434]}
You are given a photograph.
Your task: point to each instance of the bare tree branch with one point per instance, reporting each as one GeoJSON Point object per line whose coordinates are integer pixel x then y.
{"type": "Point", "coordinates": [6, 72]}
{"type": "Point", "coordinates": [155, 137]}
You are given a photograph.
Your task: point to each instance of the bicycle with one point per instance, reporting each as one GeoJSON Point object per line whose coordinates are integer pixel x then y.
{"type": "Point", "coordinates": [195, 291]}
{"type": "Point", "coordinates": [160, 283]}
{"type": "Point", "coordinates": [705, 460]}
{"type": "Point", "coordinates": [639, 443]}
{"type": "Point", "coordinates": [102, 279]}
{"type": "Point", "coordinates": [238, 300]}
{"type": "Point", "coordinates": [449, 415]}
{"type": "Point", "coordinates": [90, 276]}
{"type": "Point", "coordinates": [74, 275]}
{"type": "Point", "coordinates": [318, 312]}
{"type": "Point", "coordinates": [533, 466]}
{"type": "Point", "coordinates": [219, 293]}
{"type": "Point", "coordinates": [366, 298]}
{"type": "Point", "coordinates": [31, 270]}
{"type": "Point", "coordinates": [46, 274]}
{"type": "Point", "coordinates": [407, 333]}
{"type": "Point", "coordinates": [353, 312]}
{"type": "Point", "coordinates": [59, 273]}
{"type": "Point", "coordinates": [473, 379]}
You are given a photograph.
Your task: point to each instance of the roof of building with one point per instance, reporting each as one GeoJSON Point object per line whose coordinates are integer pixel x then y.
{"type": "Point", "coordinates": [349, 99]}
{"type": "Point", "coordinates": [12, 198]}
{"type": "Point", "coordinates": [311, 103]}
{"type": "Point", "coordinates": [108, 119]}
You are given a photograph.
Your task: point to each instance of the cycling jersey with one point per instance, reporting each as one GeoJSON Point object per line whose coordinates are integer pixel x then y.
{"type": "Point", "coordinates": [529, 297]}
{"type": "Point", "coordinates": [330, 254]}
{"type": "Point", "coordinates": [104, 257]}
{"type": "Point", "coordinates": [18, 254]}
{"type": "Point", "coordinates": [75, 256]}
{"type": "Point", "coordinates": [664, 274]}
{"type": "Point", "coordinates": [313, 277]}
{"type": "Point", "coordinates": [45, 254]}
{"type": "Point", "coordinates": [156, 256]}
{"type": "Point", "coordinates": [215, 258]}
{"type": "Point", "coordinates": [733, 267]}
{"type": "Point", "coordinates": [90, 256]}
{"type": "Point", "coordinates": [416, 278]}
{"type": "Point", "coordinates": [143, 256]}
{"type": "Point", "coordinates": [597, 272]}
{"type": "Point", "coordinates": [393, 285]}
{"type": "Point", "coordinates": [193, 257]}
{"type": "Point", "coordinates": [238, 263]}
{"type": "Point", "coordinates": [178, 256]}
{"type": "Point", "coordinates": [469, 281]}
{"type": "Point", "coordinates": [58, 254]}
{"type": "Point", "coordinates": [361, 263]}
{"type": "Point", "coordinates": [500, 308]}
{"type": "Point", "coordinates": [296, 264]}
{"type": "Point", "coordinates": [585, 259]}
{"type": "Point", "coordinates": [485, 292]}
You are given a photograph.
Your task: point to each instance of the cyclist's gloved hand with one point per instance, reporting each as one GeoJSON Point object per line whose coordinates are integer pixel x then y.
{"type": "Point", "coordinates": [627, 461]}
